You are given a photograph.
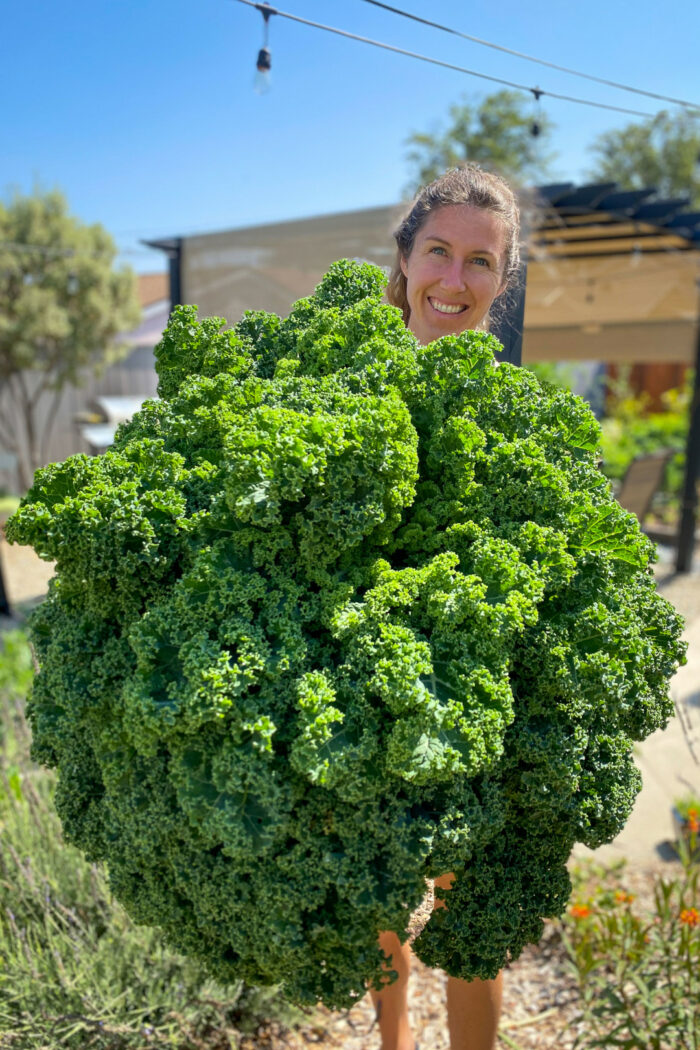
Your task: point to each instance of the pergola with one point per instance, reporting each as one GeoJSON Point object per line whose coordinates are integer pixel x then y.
{"type": "Point", "coordinates": [611, 275]}
{"type": "Point", "coordinates": [614, 275]}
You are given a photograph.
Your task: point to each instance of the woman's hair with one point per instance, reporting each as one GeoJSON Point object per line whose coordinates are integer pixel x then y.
{"type": "Point", "coordinates": [466, 185]}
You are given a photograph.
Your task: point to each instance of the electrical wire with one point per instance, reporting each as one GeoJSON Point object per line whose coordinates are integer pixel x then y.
{"type": "Point", "coordinates": [532, 58]}
{"type": "Point", "coordinates": [536, 91]}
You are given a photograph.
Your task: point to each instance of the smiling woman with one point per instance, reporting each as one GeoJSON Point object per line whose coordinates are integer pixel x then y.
{"type": "Point", "coordinates": [457, 251]}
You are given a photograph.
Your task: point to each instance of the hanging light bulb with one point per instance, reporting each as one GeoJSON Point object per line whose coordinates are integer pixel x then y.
{"type": "Point", "coordinates": [262, 77]}
{"type": "Point", "coordinates": [263, 65]}
{"type": "Point", "coordinates": [536, 126]}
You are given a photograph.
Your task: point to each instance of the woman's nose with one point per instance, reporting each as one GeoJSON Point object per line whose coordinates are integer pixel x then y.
{"type": "Point", "coordinates": [453, 276]}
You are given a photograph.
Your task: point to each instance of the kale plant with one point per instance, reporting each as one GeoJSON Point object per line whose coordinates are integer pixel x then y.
{"type": "Point", "coordinates": [336, 614]}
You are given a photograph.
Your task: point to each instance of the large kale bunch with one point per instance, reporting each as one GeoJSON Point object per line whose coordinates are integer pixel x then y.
{"type": "Point", "coordinates": [339, 612]}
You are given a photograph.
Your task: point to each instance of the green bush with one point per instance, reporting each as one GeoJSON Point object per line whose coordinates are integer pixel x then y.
{"type": "Point", "coordinates": [630, 430]}
{"type": "Point", "coordinates": [75, 971]}
{"type": "Point", "coordinates": [337, 613]}
{"type": "Point", "coordinates": [637, 966]}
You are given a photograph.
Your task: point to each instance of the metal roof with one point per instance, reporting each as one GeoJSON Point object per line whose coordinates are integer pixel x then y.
{"type": "Point", "coordinates": [600, 219]}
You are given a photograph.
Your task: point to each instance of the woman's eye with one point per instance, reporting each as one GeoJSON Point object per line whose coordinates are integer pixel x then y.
{"type": "Point", "coordinates": [438, 249]}
{"type": "Point", "coordinates": [481, 261]}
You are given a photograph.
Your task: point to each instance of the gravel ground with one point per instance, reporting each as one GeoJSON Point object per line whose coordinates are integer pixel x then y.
{"type": "Point", "coordinates": [539, 1010]}
{"type": "Point", "coordinates": [540, 1000]}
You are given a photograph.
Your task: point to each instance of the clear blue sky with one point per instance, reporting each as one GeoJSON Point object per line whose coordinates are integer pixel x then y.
{"type": "Point", "coordinates": [145, 114]}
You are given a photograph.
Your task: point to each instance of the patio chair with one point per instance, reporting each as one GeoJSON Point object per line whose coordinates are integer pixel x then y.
{"type": "Point", "coordinates": [643, 478]}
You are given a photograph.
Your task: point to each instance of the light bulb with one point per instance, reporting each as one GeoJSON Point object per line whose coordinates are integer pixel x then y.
{"type": "Point", "coordinates": [261, 83]}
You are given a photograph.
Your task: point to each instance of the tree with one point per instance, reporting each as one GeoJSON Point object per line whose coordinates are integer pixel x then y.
{"type": "Point", "coordinates": [663, 152]}
{"type": "Point", "coordinates": [61, 306]}
{"type": "Point", "coordinates": [497, 134]}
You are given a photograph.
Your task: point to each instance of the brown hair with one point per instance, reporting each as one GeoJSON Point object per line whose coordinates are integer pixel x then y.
{"type": "Point", "coordinates": [466, 185]}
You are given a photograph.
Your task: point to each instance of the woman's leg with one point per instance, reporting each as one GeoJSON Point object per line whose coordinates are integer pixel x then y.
{"type": "Point", "coordinates": [391, 1003]}
{"type": "Point", "coordinates": [473, 1010]}
{"type": "Point", "coordinates": [473, 1007]}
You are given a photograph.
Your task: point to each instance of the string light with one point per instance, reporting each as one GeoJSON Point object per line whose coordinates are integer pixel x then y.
{"type": "Point", "coordinates": [443, 65]}
{"type": "Point", "coordinates": [536, 127]}
{"type": "Point", "coordinates": [264, 62]}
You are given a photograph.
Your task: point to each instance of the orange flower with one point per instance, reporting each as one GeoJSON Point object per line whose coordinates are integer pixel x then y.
{"type": "Point", "coordinates": [579, 911]}
{"type": "Point", "coordinates": [692, 822]}
{"type": "Point", "coordinates": [690, 917]}
{"type": "Point", "coordinates": [623, 898]}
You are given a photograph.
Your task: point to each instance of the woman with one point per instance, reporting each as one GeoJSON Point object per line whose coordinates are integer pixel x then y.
{"type": "Point", "coordinates": [457, 251]}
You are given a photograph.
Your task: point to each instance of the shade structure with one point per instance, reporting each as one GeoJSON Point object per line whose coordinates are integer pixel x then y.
{"type": "Point", "coordinates": [635, 307]}
{"type": "Point", "coordinates": [612, 276]}
{"type": "Point", "coordinates": [269, 267]}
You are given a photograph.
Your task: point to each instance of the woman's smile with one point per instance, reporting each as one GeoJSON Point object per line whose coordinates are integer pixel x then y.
{"type": "Point", "coordinates": [446, 308]}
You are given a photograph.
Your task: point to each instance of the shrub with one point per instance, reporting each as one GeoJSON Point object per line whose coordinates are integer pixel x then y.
{"type": "Point", "coordinates": [337, 613]}
{"type": "Point", "coordinates": [637, 966]}
{"type": "Point", "coordinates": [630, 430]}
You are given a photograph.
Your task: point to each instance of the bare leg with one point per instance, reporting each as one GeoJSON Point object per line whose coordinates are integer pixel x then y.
{"type": "Point", "coordinates": [473, 1010]}
{"type": "Point", "coordinates": [391, 1004]}
{"type": "Point", "coordinates": [473, 1007]}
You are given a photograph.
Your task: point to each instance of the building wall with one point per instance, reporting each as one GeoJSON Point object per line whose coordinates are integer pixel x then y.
{"type": "Point", "coordinates": [135, 375]}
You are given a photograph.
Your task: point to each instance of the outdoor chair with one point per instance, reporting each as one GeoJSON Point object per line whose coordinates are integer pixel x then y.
{"type": "Point", "coordinates": [643, 478]}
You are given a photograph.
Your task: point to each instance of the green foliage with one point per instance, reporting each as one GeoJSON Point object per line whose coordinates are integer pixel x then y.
{"type": "Point", "coordinates": [555, 373]}
{"type": "Point", "coordinates": [337, 613]}
{"type": "Point", "coordinates": [637, 965]}
{"type": "Point", "coordinates": [495, 133]}
{"type": "Point", "coordinates": [75, 971]}
{"type": "Point", "coordinates": [688, 805]}
{"type": "Point", "coordinates": [63, 303]}
{"type": "Point", "coordinates": [631, 430]}
{"type": "Point", "coordinates": [660, 152]}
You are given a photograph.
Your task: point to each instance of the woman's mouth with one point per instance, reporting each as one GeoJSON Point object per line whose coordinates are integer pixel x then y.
{"type": "Point", "coordinates": [446, 308]}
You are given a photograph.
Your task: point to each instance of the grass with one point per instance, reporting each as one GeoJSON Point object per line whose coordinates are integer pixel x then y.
{"type": "Point", "coordinates": [8, 505]}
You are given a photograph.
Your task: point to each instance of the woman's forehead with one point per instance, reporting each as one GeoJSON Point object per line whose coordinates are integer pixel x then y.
{"type": "Point", "coordinates": [464, 222]}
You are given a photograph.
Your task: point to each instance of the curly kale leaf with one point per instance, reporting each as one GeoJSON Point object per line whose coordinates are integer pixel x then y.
{"type": "Point", "coordinates": [335, 614]}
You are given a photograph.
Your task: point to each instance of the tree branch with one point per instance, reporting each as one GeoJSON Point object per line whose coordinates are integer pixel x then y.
{"type": "Point", "coordinates": [50, 420]}
{"type": "Point", "coordinates": [6, 437]}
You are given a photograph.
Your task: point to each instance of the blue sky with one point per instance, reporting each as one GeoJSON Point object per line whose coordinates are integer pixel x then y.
{"type": "Point", "coordinates": [145, 114]}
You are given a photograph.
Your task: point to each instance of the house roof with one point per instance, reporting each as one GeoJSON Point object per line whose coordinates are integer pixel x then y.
{"type": "Point", "coordinates": [152, 287]}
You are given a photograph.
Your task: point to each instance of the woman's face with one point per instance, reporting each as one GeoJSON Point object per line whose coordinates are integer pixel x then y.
{"type": "Point", "coordinates": [455, 271]}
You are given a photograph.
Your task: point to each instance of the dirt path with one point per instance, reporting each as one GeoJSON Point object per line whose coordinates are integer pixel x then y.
{"type": "Point", "coordinates": [26, 576]}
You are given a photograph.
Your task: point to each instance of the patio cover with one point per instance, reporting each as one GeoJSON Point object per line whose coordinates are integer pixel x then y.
{"type": "Point", "coordinates": [612, 276]}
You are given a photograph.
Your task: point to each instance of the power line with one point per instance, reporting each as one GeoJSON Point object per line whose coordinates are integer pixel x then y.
{"type": "Point", "coordinates": [535, 91]}
{"type": "Point", "coordinates": [532, 58]}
